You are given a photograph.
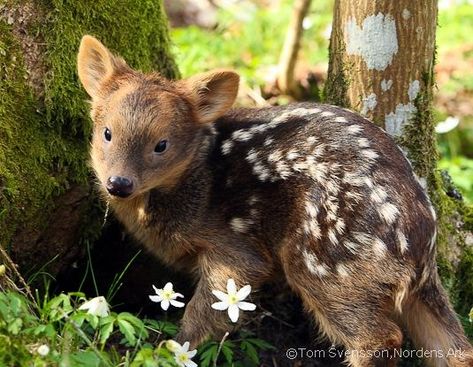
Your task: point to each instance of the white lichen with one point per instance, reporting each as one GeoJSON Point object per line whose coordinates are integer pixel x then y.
{"type": "Point", "coordinates": [375, 41]}
{"type": "Point", "coordinates": [413, 90]}
{"type": "Point", "coordinates": [369, 104]}
{"type": "Point", "coordinates": [396, 120]}
{"type": "Point", "coordinates": [406, 14]}
{"type": "Point", "coordinates": [386, 85]}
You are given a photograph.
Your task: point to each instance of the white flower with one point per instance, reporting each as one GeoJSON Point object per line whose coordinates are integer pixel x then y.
{"type": "Point", "coordinates": [449, 124]}
{"type": "Point", "coordinates": [166, 296]}
{"type": "Point", "coordinates": [43, 350]}
{"type": "Point", "coordinates": [232, 300]}
{"type": "Point", "coordinates": [182, 355]}
{"type": "Point", "coordinates": [97, 306]}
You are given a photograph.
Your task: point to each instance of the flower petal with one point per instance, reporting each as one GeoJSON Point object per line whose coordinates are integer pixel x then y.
{"type": "Point", "coordinates": [178, 361]}
{"type": "Point", "coordinates": [231, 286]}
{"type": "Point", "coordinates": [175, 295]}
{"type": "Point", "coordinates": [220, 295]}
{"type": "Point", "coordinates": [155, 298]}
{"type": "Point", "coordinates": [177, 303]}
{"type": "Point", "coordinates": [246, 306]}
{"type": "Point", "coordinates": [156, 289]}
{"type": "Point", "coordinates": [192, 353]}
{"type": "Point", "coordinates": [221, 306]}
{"type": "Point", "coordinates": [168, 287]}
{"type": "Point", "coordinates": [233, 312]}
{"type": "Point", "coordinates": [244, 292]}
{"type": "Point", "coordinates": [190, 363]}
{"type": "Point", "coordinates": [185, 347]}
{"type": "Point", "coordinates": [173, 346]}
{"type": "Point", "coordinates": [165, 304]}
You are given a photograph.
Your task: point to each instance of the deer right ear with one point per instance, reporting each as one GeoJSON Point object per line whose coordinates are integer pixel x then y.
{"type": "Point", "coordinates": [94, 64]}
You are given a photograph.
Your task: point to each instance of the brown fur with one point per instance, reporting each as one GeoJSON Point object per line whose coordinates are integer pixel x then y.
{"type": "Point", "coordinates": [313, 191]}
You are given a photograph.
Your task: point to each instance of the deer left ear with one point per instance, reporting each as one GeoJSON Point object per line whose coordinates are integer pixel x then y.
{"type": "Point", "coordinates": [213, 93]}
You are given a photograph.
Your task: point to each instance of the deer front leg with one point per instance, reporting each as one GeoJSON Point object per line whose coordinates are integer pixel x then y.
{"type": "Point", "coordinates": [200, 320]}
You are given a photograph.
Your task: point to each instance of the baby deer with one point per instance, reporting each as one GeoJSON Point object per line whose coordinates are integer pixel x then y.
{"type": "Point", "coordinates": [311, 191]}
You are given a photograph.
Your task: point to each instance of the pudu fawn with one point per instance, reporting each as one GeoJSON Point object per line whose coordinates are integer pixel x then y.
{"type": "Point", "coordinates": [312, 191]}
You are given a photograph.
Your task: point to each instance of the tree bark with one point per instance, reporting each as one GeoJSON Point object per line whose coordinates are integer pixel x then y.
{"type": "Point", "coordinates": [382, 55]}
{"type": "Point", "coordinates": [47, 206]}
{"type": "Point", "coordinates": [288, 58]}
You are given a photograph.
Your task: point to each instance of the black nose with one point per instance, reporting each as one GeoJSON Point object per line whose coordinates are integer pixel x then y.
{"type": "Point", "coordinates": [119, 186]}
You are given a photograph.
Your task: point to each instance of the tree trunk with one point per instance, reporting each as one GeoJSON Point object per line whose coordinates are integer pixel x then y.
{"type": "Point", "coordinates": [288, 58]}
{"type": "Point", "coordinates": [47, 207]}
{"type": "Point", "coordinates": [382, 55]}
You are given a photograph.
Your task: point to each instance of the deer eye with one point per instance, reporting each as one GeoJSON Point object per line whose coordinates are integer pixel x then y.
{"type": "Point", "coordinates": [107, 134]}
{"type": "Point", "coordinates": [161, 147]}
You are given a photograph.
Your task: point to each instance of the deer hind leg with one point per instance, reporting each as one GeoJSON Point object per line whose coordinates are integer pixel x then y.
{"type": "Point", "coordinates": [352, 310]}
{"type": "Point", "coordinates": [370, 337]}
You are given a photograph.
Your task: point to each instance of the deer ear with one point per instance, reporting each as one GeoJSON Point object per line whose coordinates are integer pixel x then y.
{"type": "Point", "coordinates": [95, 64]}
{"type": "Point", "coordinates": [213, 93]}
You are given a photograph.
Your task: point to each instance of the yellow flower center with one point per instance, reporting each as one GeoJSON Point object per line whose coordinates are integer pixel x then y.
{"type": "Point", "coordinates": [232, 299]}
{"type": "Point", "coordinates": [183, 358]}
{"type": "Point", "coordinates": [167, 295]}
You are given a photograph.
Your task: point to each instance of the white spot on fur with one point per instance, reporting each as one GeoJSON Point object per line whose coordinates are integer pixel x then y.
{"type": "Point", "coordinates": [370, 154]}
{"type": "Point", "coordinates": [342, 270]}
{"type": "Point", "coordinates": [327, 114]}
{"type": "Point", "coordinates": [406, 14]}
{"type": "Point", "coordinates": [340, 225]}
{"type": "Point", "coordinates": [240, 225]}
{"type": "Point", "coordinates": [292, 154]}
{"type": "Point", "coordinates": [351, 246]}
{"type": "Point", "coordinates": [432, 211]}
{"type": "Point", "coordinates": [253, 200]}
{"type": "Point", "coordinates": [375, 41]}
{"type": "Point", "coordinates": [433, 240]}
{"type": "Point", "coordinates": [332, 236]}
{"type": "Point", "coordinates": [227, 146]}
{"type": "Point", "coordinates": [311, 228]}
{"type": "Point", "coordinates": [388, 212]}
{"type": "Point", "coordinates": [275, 156]}
{"type": "Point", "coordinates": [311, 209]}
{"type": "Point", "coordinates": [353, 129]}
{"type": "Point", "coordinates": [242, 135]}
{"type": "Point", "coordinates": [400, 297]}
{"type": "Point", "coordinates": [340, 119]}
{"type": "Point", "coordinates": [311, 261]}
{"type": "Point", "coordinates": [378, 195]}
{"type": "Point", "coordinates": [283, 170]}
{"type": "Point", "coordinates": [386, 85]}
{"type": "Point", "coordinates": [379, 247]}
{"type": "Point", "coordinates": [369, 104]}
{"type": "Point", "coordinates": [402, 241]}
{"type": "Point", "coordinates": [363, 143]}
{"type": "Point", "coordinates": [268, 141]}
{"type": "Point", "coordinates": [252, 156]}
{"type": "Point", "coordinates": [311, 139]}
{"type": "Point", "coordinates": [261, 171]}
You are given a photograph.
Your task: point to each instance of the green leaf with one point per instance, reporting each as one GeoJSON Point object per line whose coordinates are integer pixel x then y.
{"type": "Point", "coordinates": [208, 354]}
{"type": "Point", "coordinates": [250, 351]}
{"type": "Point", "coordinates": [15, 326]}
{"type": "Point", "coordinates": [127, 330]}
{"type": "Point", "coordinates": [227, 351]}
{"type": "Point", "coordinates": [261, 344]}
{"type": "Point", "coordinates": [105, 331]}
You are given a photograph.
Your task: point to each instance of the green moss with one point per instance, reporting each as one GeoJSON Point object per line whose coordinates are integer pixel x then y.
{"type": "Point", "coordinates": [44, 141]}
{"type": "Point", "coordinates": [338, 82]}
{"type": "Point", "coordinates": [419, 140]}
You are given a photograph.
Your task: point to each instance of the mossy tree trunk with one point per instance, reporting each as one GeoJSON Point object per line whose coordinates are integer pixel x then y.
{"type": "Point", "coordinates": [47, 206]}
{"type": "Point", "coordinates": [382, 55]}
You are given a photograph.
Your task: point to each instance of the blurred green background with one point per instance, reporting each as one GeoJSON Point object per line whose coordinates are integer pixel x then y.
{"type": "Point", "coordinates": [248, 36]}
